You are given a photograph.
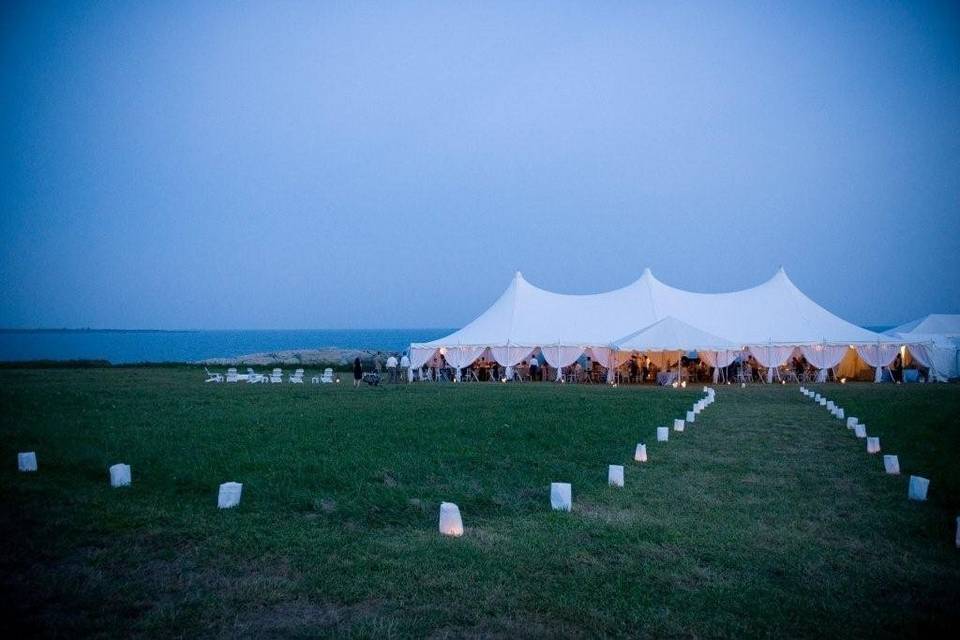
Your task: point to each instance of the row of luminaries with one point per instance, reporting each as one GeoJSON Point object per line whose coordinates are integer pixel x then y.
{"type": "Point", "coordinates": [917, 489]}
{"type": "Point", "coordinates": [561, 498]}
{"type": "Point", "coordinates": [450, 520]}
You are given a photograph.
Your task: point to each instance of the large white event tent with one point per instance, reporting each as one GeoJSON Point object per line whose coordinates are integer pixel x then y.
{"type": "Point", "coordinates": [941, 333]}
{"type": "Point", "coordinates": [770, 321]}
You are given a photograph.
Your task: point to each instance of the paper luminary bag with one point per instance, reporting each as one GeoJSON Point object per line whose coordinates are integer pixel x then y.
{"type": "Point", "coordinates": [918, 488]}
{"type": "Point", "coordinates": [561, 496]}
{"type": "Point", "coordinates": [229, 495]}
{"type": "Point", "coordinates": [891, 465]}
{"type": "Point", "coordinates": [831, 405]}
{"type": "Point", "coordinates": [860, 430]}
{"type": "Point", "coordinates": [839, 413]}
{"type": "Point", "coordinates": [615, 475]}
{"type": "Point", "coordinates": [450, 522]}
{"type": "Point", "coordinates": [27, 461]}
{"type": "Point", "coordinates": [120, 475]}
{"type": "Point", "coordinates": [663, 434]}
{"type": "Point", "coordinates": [640, 455]}
{"type": "Point", "coordinates": [873, 445]}
{"type": "Point", "coordinates": [691, 416]}
{"type": "Point", "coordinates": [678, 425]}
{"type": "Point", "coordinates": [852, 422]}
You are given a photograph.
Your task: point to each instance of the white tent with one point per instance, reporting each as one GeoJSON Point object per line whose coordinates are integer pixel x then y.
{"type": "Point", "coordinates": [939, 335]}
{"type": "Point", "coordinates": [770, 319]}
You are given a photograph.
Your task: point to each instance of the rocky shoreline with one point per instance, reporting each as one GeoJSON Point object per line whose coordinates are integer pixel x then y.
{"type": "Point", "coordinates": [326, 355]}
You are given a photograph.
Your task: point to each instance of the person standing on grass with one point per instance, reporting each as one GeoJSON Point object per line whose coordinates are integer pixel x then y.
{"type": "Point", "coordinates": [392, 368]}
{"type": "Point", "coordinates": [405, 365]}
{"type": "Point", "coordinates": [534, 367]}
{"type": "Point", "coordinates": [357, 372]}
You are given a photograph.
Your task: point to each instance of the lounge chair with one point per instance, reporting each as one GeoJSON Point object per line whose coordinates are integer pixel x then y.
{"type": "Point", "coordinates": [276, 375]}
{"type": "Point", "coordinates": [327, 376]}
{"type": "Point", "coordinates": [212, 376]}
{"type": "Point", "coordinates": [254, 377]}
{"type": "Point", "coordinates": [296, 377]}
{"type": "Point", "coordinates": [232, 375]}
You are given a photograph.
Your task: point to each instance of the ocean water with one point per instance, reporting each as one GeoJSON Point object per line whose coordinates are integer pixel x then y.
{"type": "Point", "coordinates": [124, 347]}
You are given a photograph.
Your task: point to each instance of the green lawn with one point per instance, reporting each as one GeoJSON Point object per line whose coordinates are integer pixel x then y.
{"type": "Point", "coordinates": [765, 518]}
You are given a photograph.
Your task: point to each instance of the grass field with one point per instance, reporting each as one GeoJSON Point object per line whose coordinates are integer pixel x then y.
{"type": "Point", "coordinates": [765, 518]}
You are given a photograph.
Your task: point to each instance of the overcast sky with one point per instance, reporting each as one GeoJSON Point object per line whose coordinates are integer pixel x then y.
{"type": "Point", "coordinates": [345, 165]}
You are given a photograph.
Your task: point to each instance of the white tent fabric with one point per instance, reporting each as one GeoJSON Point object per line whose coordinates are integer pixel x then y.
{"type": "Point", "coordinates": [939, 334]}
{"type": "Point", "coordinates": [558, 357]}
{"type": "Point", "coordinates": [509, 357]}
{"type": "Point", "coordinates": [772, 314]}
{"type": "Point", "coordinates": [604, 355]}
{"type": "Point", "coordinates": [942, 324]}
{"type": "Point", "coordinates": [823, 356]}
{"type": "Point", "coordinates": [720, 359]}
{"type": "Point", "coordinates": [460, 357]}
{"type": "Point", "coordinates": [770, 357]}
{"type": "Point", "coordinates": [878, 356]}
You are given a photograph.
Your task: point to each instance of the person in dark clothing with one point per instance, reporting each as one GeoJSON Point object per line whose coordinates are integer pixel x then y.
{"type": "Point", "coordinates": [898, 369]}
{"type": "Point", "coordinates": [634, 369]}
{"type": "Point", "coordinates": [357, 372]}
{"type": "Point", "coordinates": [798, 367]}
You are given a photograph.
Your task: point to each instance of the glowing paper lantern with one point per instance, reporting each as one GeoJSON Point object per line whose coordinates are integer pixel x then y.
{"type": "Point", "coordinates": [229, 495]}
{"type": "Point", "coordinates": [891, 465]}
{"type": "Point", "coordinates": [560, 496]}
{"type": "Point", "coordinates": [817, 397]}
{"type": "Point", "coordinates": [27, 461]}
{"type": "Point", "coordinates": [831, 406]}
{"type": "Point", "coordinates": [823, 402]}
{"type": "Point", "coordinates": [450, 522]}
{"type": "Point", "coordinates": [678, 425]}
{"type": "Point", "coordinates": [663, 434]}
{"type": "Point", "coordinates": [691, 416]}
{"type": "Point", "coordinates": [640, 455]}
{"type": "Point", "coordinates": [615, 475]}
{"type": "Point", "coordinates": [873, 445]}
{"type": "Point", "coordinates": [860, 431]}
{"type": "Point", "coordinates": [918, 488]}
{"type": "Point", "coordinates": [852, 422]}
{"type": "Point", "coordinates": [120, 475]}
{"type": "Point", "coordinates": [839, 413]}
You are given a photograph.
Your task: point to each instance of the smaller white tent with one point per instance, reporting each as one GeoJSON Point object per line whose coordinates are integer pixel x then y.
{"type": "Point", "coordinates": [676, 336]}
{"type": "Point", "coordinates": [935, 343]}
{"type": "Point", "coordinates": [671, 334]}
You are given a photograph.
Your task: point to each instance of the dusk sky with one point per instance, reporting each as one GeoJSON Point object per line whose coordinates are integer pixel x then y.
{"type": "Point", "coordinates": [344, 165]}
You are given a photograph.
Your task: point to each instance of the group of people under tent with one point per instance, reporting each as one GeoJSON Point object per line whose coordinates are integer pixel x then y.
{"type": "Point", "coordinates": [637, 368]}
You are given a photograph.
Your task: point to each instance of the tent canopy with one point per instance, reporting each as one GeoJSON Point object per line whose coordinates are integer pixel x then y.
{"type": "Point", "coordinates": [941, 324]}
{"type": "Point", "coordinates": [773, 313]}
{"type": "Point", "coordinates": [941, 334]}
{"type": "Point", "coordinates": [671, 334]}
